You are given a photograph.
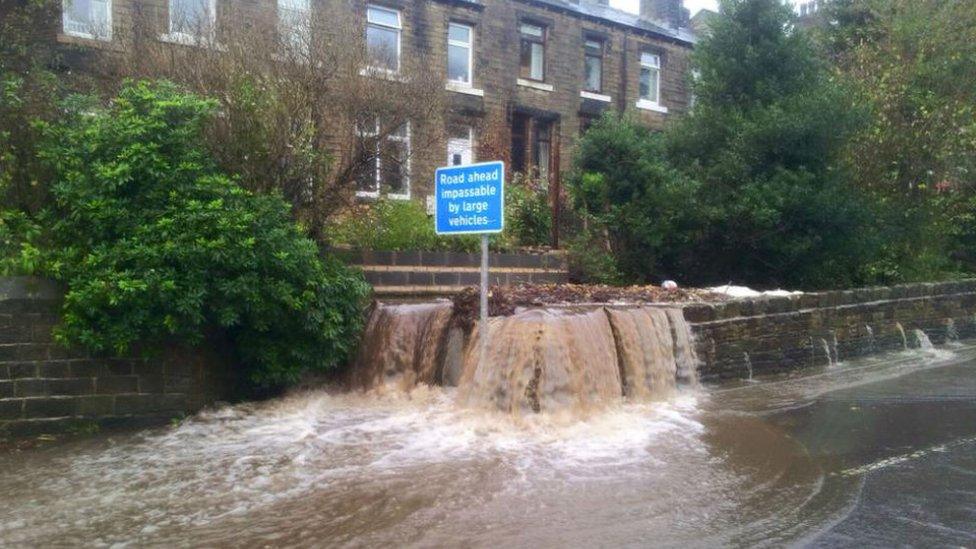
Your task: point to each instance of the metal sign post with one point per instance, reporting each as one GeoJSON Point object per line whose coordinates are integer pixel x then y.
{"type": "Point", "coordinates": [483, 324]}
{"type": "Point", "coordinates": [471, 200]}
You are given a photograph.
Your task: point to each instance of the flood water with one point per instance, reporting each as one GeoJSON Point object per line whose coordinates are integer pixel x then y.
{"type": "Point", "coordinates": [878, 452]}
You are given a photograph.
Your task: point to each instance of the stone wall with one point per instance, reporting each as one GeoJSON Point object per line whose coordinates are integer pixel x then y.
{"type": "Point", "coordinates": [772, 335]}
{"type": "Point", "coordinates": [46, 387]}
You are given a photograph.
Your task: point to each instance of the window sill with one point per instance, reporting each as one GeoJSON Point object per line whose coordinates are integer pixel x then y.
{"type": "Point", "coordinates": [184, 39]}
{"type": "Point", "coordinates": [595, 96]}
{"type": "Point", "coordinates": [385, 74]}
{"type": "Point", "coordinates": [463, 88]}
{"type": "Point", "coordinates": [83, 39]}
{"type": "Point", "coordinates": [651, 106]}
{"type": "Point", "coordinates": [541, 86]}
{"type": "Point", "coordinates": [375, 195]}
{"type": "Point", "coordinates": [79, 35]}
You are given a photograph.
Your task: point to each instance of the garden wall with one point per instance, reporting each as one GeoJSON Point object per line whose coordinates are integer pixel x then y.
{"type": "Point", "coordinates": [772, 335]}
{"type": "Point", "coordinates": [418, 273]}
{"type": "Point", "coordinates": [46, 387]}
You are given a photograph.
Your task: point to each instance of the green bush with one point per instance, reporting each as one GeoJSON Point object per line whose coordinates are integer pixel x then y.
{"type": "Point", "coordinates": [393, 225]}
{"type": "Point", "coordinates": [528, 216]}
{"type": "Point", "coordinates": [155, 244]}
{"type": "Point", "coordinates": [590, 262]}
{"type": "Point", "coordinates": [19, 252]}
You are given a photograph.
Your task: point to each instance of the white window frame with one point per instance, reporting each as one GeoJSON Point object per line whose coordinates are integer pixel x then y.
{"type": "Point", "coordinates": [470, 147]}
{"type": "Point", "coordinates": [190, 39]}
{"type": "Point", "coordinates": [542, 39]}
{"type": "Point", "coordinates": [399, 36]}
{"type": "Point", "coordinates": [601, 45]}
{"type": "Point", "coordinates": [76, 32]}
{"type": "Point", "coordinates": [470, 47]}
{"type": "Point", "coordinates": [655, 66]}
{"type": "Point", "coordinates": [288, 15]}
{"type": "Point", "coordinates": [377, 158]}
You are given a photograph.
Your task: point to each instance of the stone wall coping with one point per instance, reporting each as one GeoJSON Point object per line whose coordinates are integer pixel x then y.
{"type": "Point", "coordinates": [553, 260]}
{"type": "Point", "coordinates": [766, 305]}
{"type": "Point", "coordinates": [34, 288]}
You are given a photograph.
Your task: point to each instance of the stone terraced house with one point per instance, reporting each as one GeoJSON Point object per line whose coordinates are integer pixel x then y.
{"type": "Point", "coordinates": [546, 68]}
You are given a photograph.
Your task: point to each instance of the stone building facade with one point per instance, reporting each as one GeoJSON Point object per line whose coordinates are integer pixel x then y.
{"type": "Point", "coordinates": [523, 78]}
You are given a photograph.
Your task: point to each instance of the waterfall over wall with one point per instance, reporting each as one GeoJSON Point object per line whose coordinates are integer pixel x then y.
{"type": "Point", "coordinates": [402, 345]}
{"type": "Point", "coordinates": [542, 359]}
{"type": "Point", "coordinates": [537, 360]}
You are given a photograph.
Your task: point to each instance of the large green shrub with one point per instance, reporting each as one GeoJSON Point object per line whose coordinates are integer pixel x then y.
{"type": "Point", "coordinates": [155, 244]}
{"type": "Point", "coordinates": [634, 203]}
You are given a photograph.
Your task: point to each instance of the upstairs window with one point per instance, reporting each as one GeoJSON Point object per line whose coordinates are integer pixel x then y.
{"type": "Point", "coordinates": [385, 160]}
{"type": "Point", "coordinates": [294, 25]}
{"type": "Point", "coordinates": [192, 18]}
{"type": "Point", "coordinates": [460, 49]}
{"type": "Point", "coordinates": [88, 18]}
{"type": "Point", "coordinates": [650, 78]}
{"type": "Point", "coordinates": [593, 65]}
{"type": "Point", "coordinates": [533, 52]}
{"type": "Point", "coordinates": [383, 38]}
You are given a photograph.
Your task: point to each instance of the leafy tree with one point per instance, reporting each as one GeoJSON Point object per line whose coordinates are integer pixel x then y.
{"type": "Point", "coordinates": [764, 141]}
{"type": "Point", "coordinates": [154, 243]}
{"type": "Point", "coordinates": [914, 64]}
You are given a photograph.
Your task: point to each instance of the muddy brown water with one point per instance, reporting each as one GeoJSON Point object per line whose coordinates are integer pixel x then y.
{"type": "Point", "coordinates": [876, 452]}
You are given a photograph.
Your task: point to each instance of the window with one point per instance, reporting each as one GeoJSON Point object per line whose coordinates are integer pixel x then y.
{"type": "Point", "coordinates": [650, 78]}
{"type": "Point", "coordinates": [191, 18]}
{"type": "Point", "coordinates": [543, 148]}
{"type": "Point", "coordinates": [460, 146]}
{"type": "Point", "coordinates": [88, 18]}
{"type": "Point", "coordinates": [385, 160]}
{"type": "Point", "coordinates": [383, 38]}
{"type": "Point", "coordinates": [294, 25]}
{"type": "Point", "coordinates": [593, 65]}
{"type": "Point", "coordinates": [460, 47]}
{"type": "Point", "coordinates": [533, 52]}
{"type": "Point", "coordinates": [693, 84]}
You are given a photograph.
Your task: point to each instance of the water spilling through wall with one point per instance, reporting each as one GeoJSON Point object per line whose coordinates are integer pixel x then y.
{"type": "Point", "coordinates": [536, 360]}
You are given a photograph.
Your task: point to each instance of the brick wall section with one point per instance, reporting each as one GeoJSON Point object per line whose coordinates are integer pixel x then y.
{"type": "Point", "coordinates": [782, 334]}
{"type": "Point", "coordinates": [46, 387]}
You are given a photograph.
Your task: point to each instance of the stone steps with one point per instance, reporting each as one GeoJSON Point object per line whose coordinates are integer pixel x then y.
{"type": "Point", "coordinates": [421, 273]}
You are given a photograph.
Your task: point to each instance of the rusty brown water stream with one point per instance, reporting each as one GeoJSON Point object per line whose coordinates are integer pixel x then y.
{"type": "Point", "coordinates": [875, 452]}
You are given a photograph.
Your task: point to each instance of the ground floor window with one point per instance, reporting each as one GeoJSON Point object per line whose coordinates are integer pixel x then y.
{"type": "Point", "coordinates": [384, 158]}
{"type": "Point", "coordinates": [460, 146]}
{"type": "Point", "coordinates": [88, 18]}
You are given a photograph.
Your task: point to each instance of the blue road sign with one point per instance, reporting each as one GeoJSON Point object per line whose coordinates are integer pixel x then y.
{"type": "Point", "coordinates": [470, 199]}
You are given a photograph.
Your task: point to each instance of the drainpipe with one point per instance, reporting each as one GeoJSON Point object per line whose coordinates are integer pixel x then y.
{"type": "Point", "coordinates": [623, 75]}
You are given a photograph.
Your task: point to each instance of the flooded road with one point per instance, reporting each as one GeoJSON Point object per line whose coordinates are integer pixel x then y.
{"type": "Point", "coordinates": [877, 452]}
